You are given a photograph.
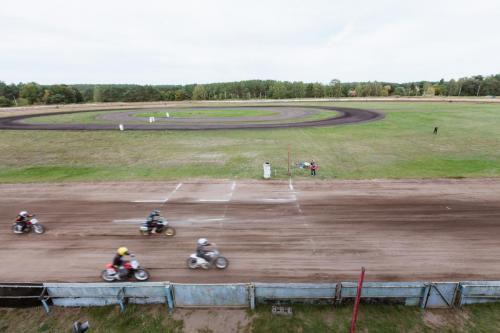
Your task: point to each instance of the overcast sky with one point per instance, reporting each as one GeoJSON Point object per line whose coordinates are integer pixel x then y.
{"type": "Point", "coordinates": [178, 42]}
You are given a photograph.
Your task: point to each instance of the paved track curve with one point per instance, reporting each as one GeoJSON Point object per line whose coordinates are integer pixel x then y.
{"type": "Point", "coordinates": [347, 116]}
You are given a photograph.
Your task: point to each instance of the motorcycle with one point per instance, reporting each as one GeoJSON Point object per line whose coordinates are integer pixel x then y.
{"type": "Point", "coordinates": [215, 259]}
{"type": "Point", "coordinates": [132, 267]}
{"type": "Point", "coordinates": [31, 225]}
{"type": "Point", "coordinates": [157, 227]}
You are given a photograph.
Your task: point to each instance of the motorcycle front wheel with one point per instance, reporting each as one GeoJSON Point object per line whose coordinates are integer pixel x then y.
{"type": "Point", "coordinates": [169, 231]}
{"type": "Point", "coordinates": [141, 274]}
{"type": "Point", "coordinates": [144, 232]}
{"type": "Point", "coordinates": [38, 229]}
{"type": "Point", "coordinates": [221, 262]}
{"type": "Point", "coordinates": [106, 277]}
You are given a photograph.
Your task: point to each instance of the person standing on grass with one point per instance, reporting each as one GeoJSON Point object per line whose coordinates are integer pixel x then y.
{"type": "Point", "coordinates": [313, 167]}
{"type": "Point", "coordinates": [435, 130]}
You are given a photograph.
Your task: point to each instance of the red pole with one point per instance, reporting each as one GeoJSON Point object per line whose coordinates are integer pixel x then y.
{"type": "Point", "coordinates": [356, 303]}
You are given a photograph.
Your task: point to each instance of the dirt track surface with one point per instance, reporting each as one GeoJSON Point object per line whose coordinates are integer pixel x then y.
{"type": "Point", "coordinates": [347, 116]}
{"type": "Point", "coordinates": [270, 231]}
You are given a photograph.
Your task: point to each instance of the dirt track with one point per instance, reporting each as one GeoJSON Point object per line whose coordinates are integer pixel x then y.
{"type": "Point", "coordinates": [347, 116]}
{"type": "Point", "coordinates": [270, 231]}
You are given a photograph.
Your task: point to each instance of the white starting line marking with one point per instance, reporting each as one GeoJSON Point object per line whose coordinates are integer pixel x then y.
{"type": "Point", "coordinates": [159, 200]}
{"type": "Point", "coordinates": [290, 185]}
{"type": "Point", "coordinates": [213, 200]}
{"type": "Point", "coordinates": [172, 193]}
{"type": "Point", "coordinates": [206, 220]}
{"type": "Point", "coordinates": [129, 221]}
{"type": "Point", "coordinates": [280, 200]}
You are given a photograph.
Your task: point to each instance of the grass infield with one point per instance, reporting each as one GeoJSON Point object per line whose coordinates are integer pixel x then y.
{"type": "Point", "coordinates": [400, 146]}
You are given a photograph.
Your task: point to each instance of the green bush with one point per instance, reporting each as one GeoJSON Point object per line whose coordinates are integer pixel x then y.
{"type": "Point", "coordinates": [5, 102]}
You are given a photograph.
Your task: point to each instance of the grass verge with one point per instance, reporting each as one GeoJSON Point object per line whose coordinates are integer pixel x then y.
{"type": "Point", "coordinates": [375, 318]}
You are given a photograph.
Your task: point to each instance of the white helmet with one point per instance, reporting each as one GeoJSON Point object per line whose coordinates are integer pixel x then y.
{"type": "Point", "coordinates": [203, 241]}
{"type": "Point", "coordinates": [23, 213]}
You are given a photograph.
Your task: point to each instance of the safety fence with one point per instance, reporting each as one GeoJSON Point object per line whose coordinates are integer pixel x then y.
{"type": "Point", "coordinates": [243, 295]}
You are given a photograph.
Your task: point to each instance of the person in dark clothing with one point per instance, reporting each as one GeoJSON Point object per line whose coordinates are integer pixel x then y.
{"type": "Point", "coordinates": [435, 130]}
{"type": "Point", "coordinates": [152, 218]}
{"type": "Point", "coordinates": [22, 219]}
{"type": "Point", "coordinates": [118, 261]}
{"type": "Point", "coordinates": [202, 248]}
{"type": "Point", "coordinates": [314, 167]}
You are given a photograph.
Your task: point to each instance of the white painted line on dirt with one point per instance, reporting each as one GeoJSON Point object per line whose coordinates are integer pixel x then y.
{"type": "Point", "coordinates": [279, 200]}
{"type": "Point", "coordinates": [172, 193]}
{"type": "Point", "coordinates": [290, 185]}
{"type": "Point", "coordinates": [129, 221]}
{"type": "Point", "coordinates": [159, 200]}
{"type": "Point", "coordinates": [213, 200]}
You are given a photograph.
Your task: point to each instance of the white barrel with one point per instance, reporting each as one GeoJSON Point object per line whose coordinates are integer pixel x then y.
{"type": "Point", "coordinates": [121, 127]}
{"type": "Point", "coordinates": [267, 170]}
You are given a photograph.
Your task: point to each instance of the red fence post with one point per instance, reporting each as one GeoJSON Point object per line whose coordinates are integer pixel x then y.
{"type": "Point", "coordinates": [356, 303]}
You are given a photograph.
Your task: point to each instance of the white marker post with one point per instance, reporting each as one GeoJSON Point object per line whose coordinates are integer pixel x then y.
{"type": "Point", "coordinates": [151, 119]}
{"type": "Point", "coordinates": [167, 114]}
{"type": "Point", "coordinates": [121, 127]}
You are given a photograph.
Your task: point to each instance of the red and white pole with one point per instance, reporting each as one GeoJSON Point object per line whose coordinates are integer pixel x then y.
{"type": "Point", "coordinates": [356, 303]}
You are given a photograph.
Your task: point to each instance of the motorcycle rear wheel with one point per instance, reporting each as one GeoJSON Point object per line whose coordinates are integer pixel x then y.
{"type": "Point", "coordinates": [106, 277]}
{"type": "Point", "coordinates": [191, 263]}
{"type": "Point", "coordinates": [141, 274]}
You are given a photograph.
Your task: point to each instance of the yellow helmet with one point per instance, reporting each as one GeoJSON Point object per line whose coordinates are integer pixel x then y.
{"type": "Point", "coordinates": [122, 251]}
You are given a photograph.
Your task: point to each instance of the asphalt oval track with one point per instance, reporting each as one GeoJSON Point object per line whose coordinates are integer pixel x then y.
{"type": "Point", "coordinates": [346, 116]}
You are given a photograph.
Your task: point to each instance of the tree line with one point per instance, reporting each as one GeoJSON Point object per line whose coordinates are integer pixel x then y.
{"type": "Point", "coordinates": [33, 93]}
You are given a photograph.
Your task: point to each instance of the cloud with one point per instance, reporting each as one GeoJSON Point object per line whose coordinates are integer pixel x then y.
{"type": "Point", "coordinates": [160, 42]}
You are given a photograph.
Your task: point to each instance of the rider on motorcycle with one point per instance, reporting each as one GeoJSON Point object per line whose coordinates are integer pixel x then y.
{"type": "Point", "coordinates": [23, 218]}
{"type": "Point", "coordinates": [118, 261]}
{"type": "Point", "coordinates": [152, 218]}
{"type": "Point", "coordinates": [202, 248]}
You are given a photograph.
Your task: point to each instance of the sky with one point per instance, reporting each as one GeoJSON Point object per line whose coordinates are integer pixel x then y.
{"type": "Point", "coordinates": [181, 42]}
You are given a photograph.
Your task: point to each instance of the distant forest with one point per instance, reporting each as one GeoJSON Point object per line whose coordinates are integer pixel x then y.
{"type": "Point", "coordinates": [32, 93]}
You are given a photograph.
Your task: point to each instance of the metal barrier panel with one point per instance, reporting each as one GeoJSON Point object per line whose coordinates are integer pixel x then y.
{"type": "Point", "coordinates": [294, 291]}
{"type": "Point", "coordinates": [206, 295]}
{"type": "Point", "coordinates": [472, 292]}
{"type": "Point", "coordinates": [20, 294]}
{"type": "Point", "coordinates": [412, 292]}
{"type": "Point", "coordinates": [99, 294]}
{"type": "Point", "coordinates": [440, 295]}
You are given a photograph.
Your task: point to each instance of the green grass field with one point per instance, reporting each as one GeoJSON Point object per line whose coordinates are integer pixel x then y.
{"type": "Point", "coordinates": [155, 318]}
{"type": "Point", "coordinates": [400, 146]}
{"type": "Point", "coordinates": [223, 113]}
{"type": "Point", "coordinates": [72, 118]}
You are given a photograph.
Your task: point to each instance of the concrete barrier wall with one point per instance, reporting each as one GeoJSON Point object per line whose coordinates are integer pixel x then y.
{"type": "Point", "coordinates": [423, 294]}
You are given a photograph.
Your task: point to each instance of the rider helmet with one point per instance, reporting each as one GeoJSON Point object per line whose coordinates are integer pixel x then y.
{"type": "Point", "coordinates": [23, 213]}
{"type": "Point", "coordinates": [122, 251]}
{"type": "Point", "coordinates": [203, 241]}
